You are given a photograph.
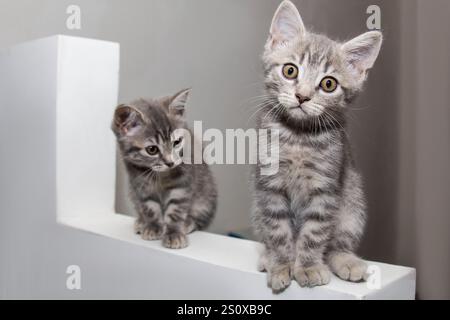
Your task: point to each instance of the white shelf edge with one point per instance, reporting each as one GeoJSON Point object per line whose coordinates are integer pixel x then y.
{"type": "Point", "coordinates": [228, 252]}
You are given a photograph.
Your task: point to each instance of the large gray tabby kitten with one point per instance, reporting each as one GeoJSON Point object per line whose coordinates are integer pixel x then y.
{"type": "Point", "coordinates": [172, 198]}
{"type": "Point", "coordinates": [310, 215]}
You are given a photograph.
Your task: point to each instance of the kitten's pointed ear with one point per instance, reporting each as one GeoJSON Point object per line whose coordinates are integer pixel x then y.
{"type": "Point", "coordinates": [127, 120]}
{"type": "Point", "coordinates": [287, 24]}
{"type": "Point", "coordinates": [178, 102]}
{"type": "Point", "coordinates": [361, 52]}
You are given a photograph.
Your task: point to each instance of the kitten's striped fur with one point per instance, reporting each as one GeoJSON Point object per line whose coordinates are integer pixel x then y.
{"type": "Point", "coordinates": [310, 215]}
{"type": "Point", "coordinates": [172, 198]}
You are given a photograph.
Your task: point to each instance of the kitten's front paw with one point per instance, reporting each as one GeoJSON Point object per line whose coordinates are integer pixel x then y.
{"type": "Point", "coordinates": [348, 267]}
{"type": "Point", "coordinates": [279, 279]}
{"type": "Point", "coordinates": [315, 275]}
{"type": "Point", "coordinates": [152, 231]}
{"type": "Point", "coordinates": [175, 240]}
{"type": "Point", "coordinates": [139, 226]}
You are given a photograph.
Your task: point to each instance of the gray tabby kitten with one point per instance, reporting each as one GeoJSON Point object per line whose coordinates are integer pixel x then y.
{"type": "Point", "coordinates": [310, 215]}
{"type": "Point", "coordinates": [172, 198]}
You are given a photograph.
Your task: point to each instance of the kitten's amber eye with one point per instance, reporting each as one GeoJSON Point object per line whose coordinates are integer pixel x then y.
{"type": "Point", "coordinates": [290, 71]}
{"type": "Point", "coordinates": [328, 84]}
{"type": "Point", "coordinates": [177, 142]}
{"type": "Point", "coordinates": [152, 150]}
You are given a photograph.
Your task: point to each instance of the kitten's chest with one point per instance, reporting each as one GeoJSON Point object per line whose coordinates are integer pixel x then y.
{"type": "Point", "coordinates": [155, 188]}
{"type": "Point", "coordinates": [295, 163]}
{"type": "Point", "coordinates": [304, 168]}
{"type": "Point", "coordinates": [148, 188]}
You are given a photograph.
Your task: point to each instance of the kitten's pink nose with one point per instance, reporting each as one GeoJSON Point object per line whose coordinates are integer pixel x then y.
{"type": "Point", "coordinates": [301, 98]}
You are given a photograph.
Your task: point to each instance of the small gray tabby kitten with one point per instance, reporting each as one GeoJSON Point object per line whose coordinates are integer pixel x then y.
{"type": "Point", "coordinates": [310, 215]}
{"type": "Point", "coordinates": [172, 198]}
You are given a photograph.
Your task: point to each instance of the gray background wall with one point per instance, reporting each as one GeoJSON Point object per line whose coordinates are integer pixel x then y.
{"type": "Point", "coordinates": [400, 130]}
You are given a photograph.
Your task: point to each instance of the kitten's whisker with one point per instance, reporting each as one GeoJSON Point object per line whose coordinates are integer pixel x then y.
{"type": "Point", "coordinates": [279, 111]}
{"type": "Point", "coordinates": [332, 138]}
{"type": "Point", "coordinates": [261, 107]}
{"type": "Point", "coordinates": [256, 99]}
{"type": "Point", "coordinates": [274, 108]}
{"type": "Point", "coordinates": [324, 111]}
{"type": "Point", "coordinates": [341, 126]}
{"type": "Point", "coordinates": [264, 101]}
{"type": "Point", "coordinates": [143, 173]}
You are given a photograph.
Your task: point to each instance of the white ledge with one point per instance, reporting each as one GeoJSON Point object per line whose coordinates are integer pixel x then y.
{"type": "Point", "coordinates": [397, 282]}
